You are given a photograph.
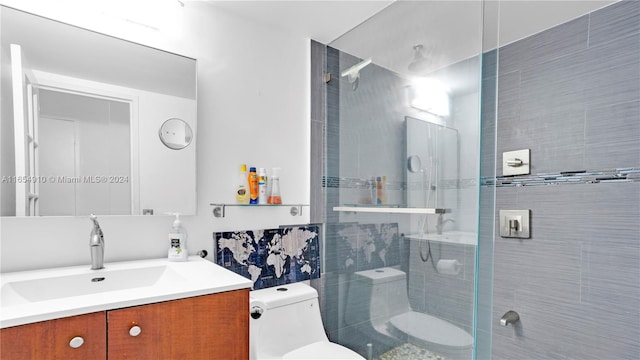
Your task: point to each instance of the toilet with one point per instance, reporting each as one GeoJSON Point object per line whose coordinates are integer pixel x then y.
{"type": "Point", "coordinates": [378, 307]}
{"type": "Point", "coordinates": [285, 323]}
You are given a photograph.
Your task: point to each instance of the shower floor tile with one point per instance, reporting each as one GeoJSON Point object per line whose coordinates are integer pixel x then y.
{"type": "Point", "coordinates": [410, 352]}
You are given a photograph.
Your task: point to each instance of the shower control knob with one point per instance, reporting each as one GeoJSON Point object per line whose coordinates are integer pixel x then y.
{"type": "Point", "coordinates": [256, 312]}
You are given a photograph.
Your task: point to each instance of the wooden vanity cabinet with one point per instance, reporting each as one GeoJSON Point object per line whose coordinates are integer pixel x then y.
{"type": "Point", "coordinates": [204, 327]}
{"type": "Point", "coordinates": [212, 326]}
{"type": "Point", "coordinates": [53, 339]}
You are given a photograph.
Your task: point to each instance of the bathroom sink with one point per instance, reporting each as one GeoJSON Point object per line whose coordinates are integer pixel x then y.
{"type": "Point", "coordinates": [65, 286]}
{"type": "Point", "coordinates": [31, 296]}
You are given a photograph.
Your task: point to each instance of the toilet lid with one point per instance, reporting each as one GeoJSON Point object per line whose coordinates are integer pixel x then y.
{"type": "Point", "coordinates": [431, 329]}
{"type": "Point", "coordinates": [322, 350]}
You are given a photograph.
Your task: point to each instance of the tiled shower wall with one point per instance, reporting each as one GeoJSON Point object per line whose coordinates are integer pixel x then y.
{"type": "Point", "coordinates": [571, 94]}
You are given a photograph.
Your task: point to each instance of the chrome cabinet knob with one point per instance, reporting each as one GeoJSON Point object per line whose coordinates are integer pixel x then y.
{"type": "Point", "coordinates": [135, 330]}
{"type": "Point", "coordinates": [76, 342]}
{"type": "Point", "coordinates": [256, 312]}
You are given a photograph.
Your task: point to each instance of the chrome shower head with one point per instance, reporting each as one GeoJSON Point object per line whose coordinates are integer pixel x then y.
{"type": "Point", "coordinates": [420, 62]}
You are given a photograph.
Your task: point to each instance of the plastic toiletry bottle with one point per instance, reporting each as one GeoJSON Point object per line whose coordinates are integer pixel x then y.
{"type": "Point", "coordinates": [262, 186]}
{"type": "Point", "coordinates": [253, 186]}
{"type": "Point", "coordinates": [177, 241]}
{"type": "Point", "coordinates": [373, 187]}
{"type": "Point", "coordinates": [384, 190]}
{"type": "Point", "coordinates": [242, 192]}
{"type": "Point", "coordinates": [381, 195]}
{"type": "Point", "coordinates": [274, 197]}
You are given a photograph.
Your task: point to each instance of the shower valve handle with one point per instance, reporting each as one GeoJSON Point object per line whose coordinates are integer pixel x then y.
{"type": "Point", "coordinates": [515, 162]}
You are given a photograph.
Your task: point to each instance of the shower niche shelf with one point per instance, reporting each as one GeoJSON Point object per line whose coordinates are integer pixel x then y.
{"type": "Point", "coordinates": [390, 209]}
{"type": "Point", "coordinates": [219, 210]}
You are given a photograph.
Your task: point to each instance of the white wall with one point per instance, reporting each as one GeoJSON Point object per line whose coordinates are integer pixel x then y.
{"type": "Point", "coordinates": [253, 93]}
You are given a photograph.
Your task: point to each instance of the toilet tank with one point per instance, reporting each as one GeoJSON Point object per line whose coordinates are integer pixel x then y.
{"type": "Point", "coordinates": [376, 296]}
{"type": "Point", "coordinates": [290, 319]}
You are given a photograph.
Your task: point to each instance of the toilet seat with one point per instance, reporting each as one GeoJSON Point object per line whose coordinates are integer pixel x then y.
{"type": "Point", "coordinates": [431, 329]}
{"type": "Point", "coordinates": [322, 350]}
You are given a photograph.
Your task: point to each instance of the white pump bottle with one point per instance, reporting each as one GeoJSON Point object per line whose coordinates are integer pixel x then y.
{"type": "Point", "coordinates": [177, 241]}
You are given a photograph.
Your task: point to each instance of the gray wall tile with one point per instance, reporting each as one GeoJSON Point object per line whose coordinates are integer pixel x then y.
{"type": "Point", "coordinates": [576, 271]}
{"type": "Point", "coordinates": [614, 22]}
{"type": "Point", "coordinates": [550, 44]}
{"type": "Point", "coordinates": [612, 136]}
{"type": "Point", "coordinates": [575, 282]}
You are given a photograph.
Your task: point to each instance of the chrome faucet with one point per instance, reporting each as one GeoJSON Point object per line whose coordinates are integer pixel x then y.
{"type": "Point", "coordinates": [96, 245]}
{"type": "Point", "coordinates": [441, 222]}
{"type": "Point", "coordinates": [510, 317]}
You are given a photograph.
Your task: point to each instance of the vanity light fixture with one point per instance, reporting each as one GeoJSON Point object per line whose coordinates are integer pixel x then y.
{"type": "Point", "coordinates": [164, 17]}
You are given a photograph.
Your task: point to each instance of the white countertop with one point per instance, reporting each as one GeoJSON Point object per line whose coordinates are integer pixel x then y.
{"type": "Point", "coordinates": [179, 280]}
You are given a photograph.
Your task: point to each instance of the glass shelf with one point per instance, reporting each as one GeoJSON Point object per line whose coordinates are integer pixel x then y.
{"type": "Point", "coordinates": [451, 237]}
{"type": "Point", "coordinates": [389, 209]}
{"type": "Point", "coordinates": [219, 210]}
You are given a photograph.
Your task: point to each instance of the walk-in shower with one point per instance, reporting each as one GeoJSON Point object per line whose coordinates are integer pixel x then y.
{"type": "Point", "coordinates": [413, 182]}
{"type": "Point", "coordinates": [401, 182]}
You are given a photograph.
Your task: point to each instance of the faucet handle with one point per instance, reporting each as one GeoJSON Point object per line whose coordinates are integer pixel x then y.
{"type": "Point", "coordinates": [96, 228]}
{"type": "Point", "coordinates": [94, 218]}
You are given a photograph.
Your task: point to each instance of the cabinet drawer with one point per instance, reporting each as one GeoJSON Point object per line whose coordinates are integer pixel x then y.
{"type": "Point", "coordinates": [54, 339]}
{"type": "Point", "coordinates": [203, 327]}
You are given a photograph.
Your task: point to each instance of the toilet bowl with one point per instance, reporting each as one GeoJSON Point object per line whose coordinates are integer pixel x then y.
{"type": "Point", "coordinates": [378, 307]}
{"type": "Point", "coordinates": [285, 323]}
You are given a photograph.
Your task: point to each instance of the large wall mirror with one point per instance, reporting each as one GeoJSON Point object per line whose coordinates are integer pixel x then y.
{"type": "Point", "coordinates": [81, 117]}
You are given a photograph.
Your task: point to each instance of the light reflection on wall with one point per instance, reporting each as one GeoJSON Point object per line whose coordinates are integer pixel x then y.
{"type": "Point", "coordinates": [430, 95]}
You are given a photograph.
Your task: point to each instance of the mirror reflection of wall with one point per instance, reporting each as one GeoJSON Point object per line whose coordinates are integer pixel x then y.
{"type": "Point", "coordinates": [432, 164]}
{"type": "Point", "coordinates": [58, 65]}
{"type": "Point", "coordinates": [83, 137]}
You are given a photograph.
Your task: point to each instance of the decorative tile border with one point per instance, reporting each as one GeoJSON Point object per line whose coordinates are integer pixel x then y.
{"type": "Point", "coordinates": [352, 183]}
{"type": "Point", "coordinates": [564, 177]}
{"type": "Point", "coordinates": [570, 177]}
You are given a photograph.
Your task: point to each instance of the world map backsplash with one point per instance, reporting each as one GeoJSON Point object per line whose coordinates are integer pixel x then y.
{"type": "Point", "coordinates": [366, 246]}
{"type": "Point", "coordinates": [271, 257]}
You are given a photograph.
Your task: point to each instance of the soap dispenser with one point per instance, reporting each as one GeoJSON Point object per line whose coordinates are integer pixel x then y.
{"type": "Point", "coordinates": [177, 241]}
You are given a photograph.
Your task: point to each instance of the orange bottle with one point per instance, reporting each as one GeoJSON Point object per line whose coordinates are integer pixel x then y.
{"type": "Point", "coordinates": [253, 186]}
{"type": "Point", "coordinates": [274, 197]}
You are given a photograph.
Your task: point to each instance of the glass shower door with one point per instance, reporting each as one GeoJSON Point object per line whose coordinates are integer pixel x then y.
{"type": "Point", "coordinates": [402, 182]}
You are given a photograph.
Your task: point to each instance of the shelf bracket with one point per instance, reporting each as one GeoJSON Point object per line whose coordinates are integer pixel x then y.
{"type": "Point", "coordinates": [296, 210]}
{"type": "Point", "coordinates": [218, 210]}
